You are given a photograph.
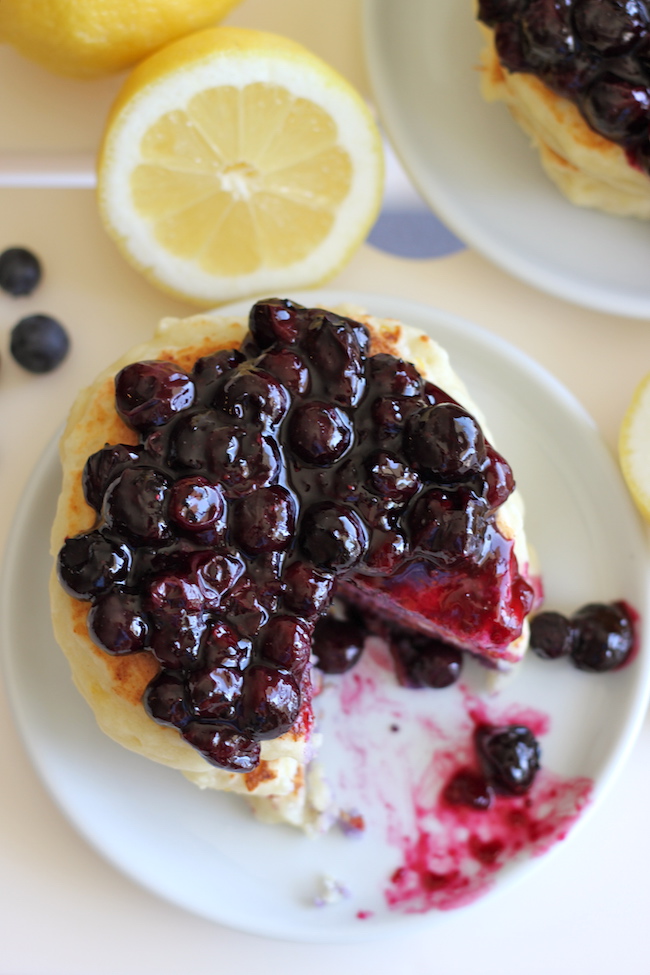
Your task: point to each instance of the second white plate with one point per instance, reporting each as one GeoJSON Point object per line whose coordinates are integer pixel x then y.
{"type": "Point", "coordinates": [475, 168]}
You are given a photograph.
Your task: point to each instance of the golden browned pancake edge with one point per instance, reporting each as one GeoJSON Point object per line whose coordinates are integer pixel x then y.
{"type": "Point", "coordinates": [589, 170]}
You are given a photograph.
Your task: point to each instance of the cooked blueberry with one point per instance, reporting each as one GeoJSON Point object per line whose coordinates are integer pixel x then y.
{"type": "Point", "coordinates": [20, 271]}
{"type": "Point", "coordinates": [422, 661]}
{"type": "Point", "coordinates": [175, 606]}
{"type": "Point", "coordinates": [445, 441]}
{"type": "Point", "coordinates": [148, 394]}
{"type": "Point", "coordinates": [551, 635]}
{"type": "Point", "coordinates": [213, 692]}
{"type": "Point", "coordinates": [241, 459]}
{"type": "Point", "coordinates": [89, 564]}
{"type": "Point", "coordinates": [390, 477]}
{"type": "Point", "coordinates": [333, 348]}
{"type": "Point", "coordinates": [136, 503]}
{"type": "Point", "coordinates": [270, 702]}
{"type": "Point", "coordinates": [604, 636]}
{"type": "Point", "coordinates": [195, 504]}
{"type": "Point", "coordinates": [285, 642]}
{"type": "Point", "coordinates": [223, 646]}
{"type": "Point", "coordinates": [386, 552]}
{"type": "Point", "coordinates": [468, 788]}
{"type": "Point", "coordinates": [510, 46]}
{"type": "Point", "coordinates": [252, 395]}
{"type": "Point", "coordinates": [202, 441]}
{"type": "Point", "coordinates": [337, 644]}
{"type": "Point", "coordinates": [319, 433]}
{"type": "Point", "coordinates": [102, 468]}
{"type": "Point", "coordinates": [165, 700]}
{"type": "Point", "coordinates": [509, 756]}
{"type": "Point", "coordinates": [264, 521]}
{"type": "Point", "coordinates": [390, 413]}
{"type": "Point", "coordinates": [216, 575]}
{"type": "Point", "coordinates": [547, 31]}
{"type": "Point", "coordinates": [288, 367]}
{"type": "Point", "coordinates": [252, 462]}
{"type": "Point", "coordinates": [498, 477]}
{"type": "Point", "coordinates": [394, 377]}
{"type": "Point", "coordinates": [274, 320]}
{"type": "Point", "coordinates": [39, 343]}
{"type": "Point", "coordinates": [222, 746]}
{"type": "Point", "coordinates": [611, 27]}
{"type": "Point", "coordinates": [617, 109]}
{"type": "Point", "coordinates": [306, 591]}
{"type": "Point", "coordinates": [333, 536]}
{"type": "Point", "coordinates": [448, 528]}
{"type": "Point", "coordinates": [494, 11]}
{"type": "Point", "coordinates": [209, 369]}
{"type": "Point", "coordinates": [117, 623]}
{"type": "Point", "coordinates": [245, 608]}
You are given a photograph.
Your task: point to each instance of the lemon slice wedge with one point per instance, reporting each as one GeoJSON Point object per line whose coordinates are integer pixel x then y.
{"type": "Point", "coordinates": [634, 447]}
{"type": "Point", "coordinates": [235, 162]}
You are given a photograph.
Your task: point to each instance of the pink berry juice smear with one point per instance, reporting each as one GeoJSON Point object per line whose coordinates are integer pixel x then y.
{"type": "Point", "coordinates": [395, 749]}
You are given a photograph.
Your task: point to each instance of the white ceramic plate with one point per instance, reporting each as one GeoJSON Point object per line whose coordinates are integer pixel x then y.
{"type": "Point", "coordinates": [204, 851]}
{"type": "Point", "coordinates": [476, 169]}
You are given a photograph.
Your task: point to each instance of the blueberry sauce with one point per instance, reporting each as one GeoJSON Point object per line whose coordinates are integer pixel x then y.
{"type": "Point", "coordinates": [593, 52]}
{"type": "Point", "coordinates": [264, 480]}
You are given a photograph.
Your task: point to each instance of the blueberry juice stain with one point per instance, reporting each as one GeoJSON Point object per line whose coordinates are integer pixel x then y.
{"type": "Point", "coordinates": [462, 837]}
{"type": "Point", "coordinates": [445, 820]}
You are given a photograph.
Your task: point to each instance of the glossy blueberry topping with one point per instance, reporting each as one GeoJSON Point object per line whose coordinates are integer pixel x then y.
{"type": "Point", "coordinates": [262, 479]}
{"type": "Point", "coordinates": [20, 271]}
{"type": "Point", "coordinates": [594, 52]}
{"type": "Point", "coordinates": [39, 343]}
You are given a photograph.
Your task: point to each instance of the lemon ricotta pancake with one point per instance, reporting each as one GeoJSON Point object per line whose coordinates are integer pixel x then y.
{"type": "Point", "coordinates": [574, 75]}
{"type": "Point", "coordinates": [227, 480]}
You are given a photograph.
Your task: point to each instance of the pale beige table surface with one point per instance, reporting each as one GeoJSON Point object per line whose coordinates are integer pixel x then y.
{"type": "Point", "coordinates": [62, 908]}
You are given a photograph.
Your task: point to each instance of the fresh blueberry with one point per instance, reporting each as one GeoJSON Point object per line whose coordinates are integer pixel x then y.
{"type": "Point", "coordinates": [20, 271]}
{"type": "Point", "coordinates": [39, 343]}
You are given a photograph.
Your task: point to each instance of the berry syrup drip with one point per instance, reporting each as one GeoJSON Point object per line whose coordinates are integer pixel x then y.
{"type": "Point", "coordinates": [262, 479]}
{"type": "Point", "coordinates": [596, 53]}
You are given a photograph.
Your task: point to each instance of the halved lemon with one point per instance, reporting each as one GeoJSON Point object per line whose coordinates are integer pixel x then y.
{"type": "Point", "coordinates": [634, 446]}
{"type": "Point", "coordinates": [236, 162]}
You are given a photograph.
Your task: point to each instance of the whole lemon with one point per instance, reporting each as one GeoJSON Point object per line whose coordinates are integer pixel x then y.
{"type": "Point", "coordinates": [91, 38]}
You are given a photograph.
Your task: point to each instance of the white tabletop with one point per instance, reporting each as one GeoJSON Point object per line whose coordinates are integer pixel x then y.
{"type": "Point", "coordinates": [62, 908]}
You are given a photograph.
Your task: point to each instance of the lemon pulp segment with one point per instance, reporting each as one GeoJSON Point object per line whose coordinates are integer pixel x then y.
{"type": "Point", "coordinates": [242, 178]}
